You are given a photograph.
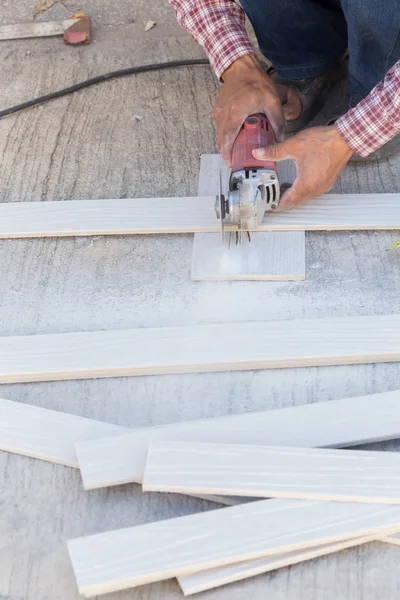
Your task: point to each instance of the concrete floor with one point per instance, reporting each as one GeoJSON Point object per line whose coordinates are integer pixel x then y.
{"type": "Point", "coordinates": [89, 145]}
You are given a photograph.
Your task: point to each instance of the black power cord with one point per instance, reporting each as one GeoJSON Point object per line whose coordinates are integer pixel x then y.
{"type": "Point", "coordinates": [99, 79]}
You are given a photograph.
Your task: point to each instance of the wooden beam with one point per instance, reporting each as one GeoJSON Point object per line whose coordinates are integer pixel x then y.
{"type": "Point", "coordinates": [124, 558]}
{"type": "Point", "coordinates": [212, 578]}
{"type": "Point", "coordinates": [338, 423]}
{"type": "Point", "coordinates": [200, 348]}
{"type": "Point", "coordinates": [273, 472]}
{"type": "Point", "coordinates": [332, 212]}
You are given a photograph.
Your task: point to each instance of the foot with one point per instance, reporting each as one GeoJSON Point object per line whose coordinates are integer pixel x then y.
{"type": "Point", "coordinates": [302, 99]}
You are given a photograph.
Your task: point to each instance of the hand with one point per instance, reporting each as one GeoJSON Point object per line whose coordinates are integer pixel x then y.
{"type": "Point", "coordinates": [320, 155]}
{"type": "Point", "coordinates": [247, 90]}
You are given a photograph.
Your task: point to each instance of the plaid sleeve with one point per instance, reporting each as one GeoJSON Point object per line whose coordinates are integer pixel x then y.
{"type": "Point", "coordinates": [219, 26]}
{"type": "Point", "coordinates": [376, 119]}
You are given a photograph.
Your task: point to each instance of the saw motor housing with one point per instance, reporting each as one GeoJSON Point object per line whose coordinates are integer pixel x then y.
{"type": "Point", "coordinates": [253, 185]}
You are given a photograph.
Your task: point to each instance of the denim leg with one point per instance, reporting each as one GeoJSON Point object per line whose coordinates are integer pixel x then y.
{"type": "Point", "coordinates": [374, 42]}
{"type": "Point", "coordinates": [302, 38]}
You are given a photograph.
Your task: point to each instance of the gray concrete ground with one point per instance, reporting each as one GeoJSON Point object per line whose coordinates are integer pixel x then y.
{"type": "Point", "coordinates": [89, 145]}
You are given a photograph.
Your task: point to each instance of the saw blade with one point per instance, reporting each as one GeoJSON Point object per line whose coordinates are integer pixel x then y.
{"type": "Point", "coordinates": [221, 205]}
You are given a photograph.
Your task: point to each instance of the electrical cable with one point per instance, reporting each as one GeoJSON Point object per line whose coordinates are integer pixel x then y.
{"type": "Point", "coordinates": [98, 79]}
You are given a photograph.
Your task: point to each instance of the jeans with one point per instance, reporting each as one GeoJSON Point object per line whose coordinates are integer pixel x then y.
{"type": "Point", "coordinates": [303, 38]}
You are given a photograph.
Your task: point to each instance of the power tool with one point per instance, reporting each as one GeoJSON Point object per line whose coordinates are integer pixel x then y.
{"type": "Point", "coordinates": [253, 184]}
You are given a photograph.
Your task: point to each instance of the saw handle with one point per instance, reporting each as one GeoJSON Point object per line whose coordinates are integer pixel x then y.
{"type": "Point", "coordinates": [256, 132]}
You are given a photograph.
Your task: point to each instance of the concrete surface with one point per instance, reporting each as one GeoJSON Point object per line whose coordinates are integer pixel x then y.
{"type": "Point", "coordinates": [89, 145]}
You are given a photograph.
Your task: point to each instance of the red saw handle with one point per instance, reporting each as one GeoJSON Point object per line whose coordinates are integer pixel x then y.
{"type": "Point", "coordinates": [256, 132]}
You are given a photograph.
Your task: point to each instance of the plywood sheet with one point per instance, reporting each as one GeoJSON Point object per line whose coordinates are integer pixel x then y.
{"type": "Point", "coordinates": [270, 256]}
{"type": "Point", "coordinates": [345, 422]}
{"type": "Point", "coordinates": [273, 472]}
{"type": "Point", "coordinates": [117, 560]}
{"type": "Point", "coordinates": [201, 348]}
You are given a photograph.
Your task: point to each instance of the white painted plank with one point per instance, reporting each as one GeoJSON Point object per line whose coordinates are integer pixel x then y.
{"type": "Point", "coordinates": [332, 212]}
{"type": "Point", "coordinates": [29, 30]}
{"type": "Point", "coordinates": [124, 558]}
{"type": "Point", "coordinates": [212, 578]}
{"type": "Point", "coordinates": [270, 256]}
{"type": "Point", "coordinates": [273, 472]}
{"type": "Point", "coordinates": [201, 348]}
{"type": "Point", "coordinates": [47, 434]}
{"type": "Point", "coordinates": [345, 422]}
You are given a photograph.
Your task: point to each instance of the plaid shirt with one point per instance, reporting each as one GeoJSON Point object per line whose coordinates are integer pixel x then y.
{"type": "Point", "coordinates": [219, 26]}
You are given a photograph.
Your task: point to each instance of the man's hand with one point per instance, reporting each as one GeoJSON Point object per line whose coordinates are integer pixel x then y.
{"type": "Point", "coordinates": [247, 90]}
{"type": "Point", "coordinates": [320, 155]}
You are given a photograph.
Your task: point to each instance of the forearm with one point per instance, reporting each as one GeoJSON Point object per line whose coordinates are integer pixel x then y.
{"type": "Point", "coordinates": [376, 119]}
{"type": "Point", "coordinates": [219, 26]}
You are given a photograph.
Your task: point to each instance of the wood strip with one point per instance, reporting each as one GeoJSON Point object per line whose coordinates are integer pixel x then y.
{"type": "Point", "coordinates": [212, 578]}
{"type": "Point", "coordinates": [332, 212]}
{"type": "Point", "coordinates": [273, 472]}
{"type": "Point", "coordinates": [51, 436]}
{"type": "Point", "coordinates": [271, 256]}
{"type": "Point", "coordinates": [117, 560]}
{"type": "Point", "coordinates": [201, 348]}
{"type": "Point", "coordinates": [338, 423]}
{"type": "Point", "coordinates": [30, 30]}
{"type": "Point", "coordinates": [48, 434]}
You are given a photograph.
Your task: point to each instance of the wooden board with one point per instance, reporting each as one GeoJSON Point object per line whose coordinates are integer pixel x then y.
{"type": "Point", "coordinates": [332, 212]}
{"type": "Point", "coordinates": [120, 559]}
{"type": "Point", "coordinates": [47, 434]}
{"type": "Point", "coordinates": [51, 436]}
{"type": "Point", "coordinates": [340, 423]}
{"type": "Point", "coordinates": [212, 578]}
{"type": "Point", "coordinates": [270, 256]}
{"type": "Point", "coordinates": [29, 30]}
{"type": "Point", "coordinates": [273, 472]}
{"type": "Point", "coordinates": [202, 348]}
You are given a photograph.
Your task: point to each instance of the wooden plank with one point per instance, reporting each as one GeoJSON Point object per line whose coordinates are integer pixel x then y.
{"type": "Point", "coordinates": [200, 349]}
{"type": "Point", "coordinates": [340, 423]}
{"type": "Point", "coordinates": [124, 558]}
{"type": "Point", "coordinates": [212, 578]}
{"type": "Point", "coordinates": [30, 30]}
{"type": "Point", "coordinates": [273, 472]}
{"type": "Point", "coordinates": [47, 434]}
{"type": "Point", "coordinates": [270, 256]}
{"type": "Point", "coordinates": [51, 436]}
{"type": "Point", "coordinates": [332, 212]}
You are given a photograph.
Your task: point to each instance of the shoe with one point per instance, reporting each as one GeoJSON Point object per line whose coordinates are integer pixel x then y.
{"type": "Point", "coordinates": [312, 92]}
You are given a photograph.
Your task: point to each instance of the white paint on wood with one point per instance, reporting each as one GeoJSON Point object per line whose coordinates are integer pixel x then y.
{"type": "Point", "coordinates": [47, 434]}
{"type": "Point", "coordinates": [270, 256]}
{"type": "Point", "coordinates": [117, 560]}
{"type": "Point", "coordinates": [273, 472]}
{"type": "Point", "coordinates": [30, 30]}
{"type": "Point", "coordinates": [212, 578]}
{"type": "Point", "coordinates": [345, 422]}
{"type": "Point", "coordinates": [332, 212]}
{"type": "Point", "coordinates": [201, 348]}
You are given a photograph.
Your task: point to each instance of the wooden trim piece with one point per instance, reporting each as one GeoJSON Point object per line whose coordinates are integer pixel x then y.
{"type": "Point", "coordinates": [270, 256]}
{"type": "Point", "coordinates": [212, 578]}
{"type": "Point", "coordinates": [338, 423]}
{"type": "Point", "coordinates": [120, 559]}
{"type": "Point", "coordinates": [331, 212]}
{"type": "Point", "coordinates": [47, 434]}
{"type": "Point", "coordinates": [200, 348]}
{"type": "Point", "coordinates": [273, 472]}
